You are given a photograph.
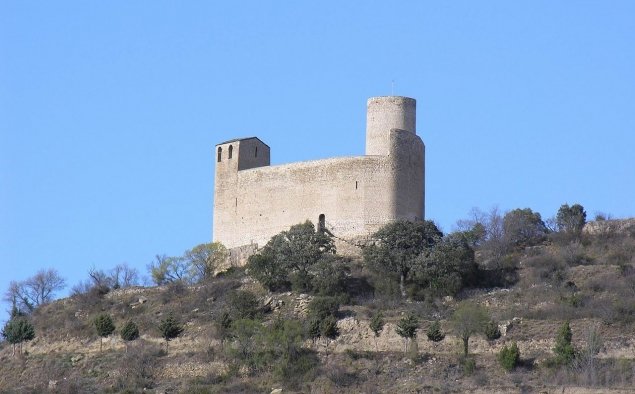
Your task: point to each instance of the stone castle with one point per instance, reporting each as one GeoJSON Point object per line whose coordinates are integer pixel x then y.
{"type": "Point", "coordinates": [351, 197]}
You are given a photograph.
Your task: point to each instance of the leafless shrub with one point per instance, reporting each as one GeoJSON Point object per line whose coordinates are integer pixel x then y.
{"type": "Point", "coordinates": [340, 376]}
{"type": "Point", "coordinates": [574, 254]}
{"type": "Point", "coordinates": [586, 363]}
{"type": "Point", "coordinates": [137, 368]}
{"type": "Point", "coordinates": [545, 268]}
{"type": "Point", "coordinates": [605, 373]}
{"type": "Point", "coordinates": [88, 296]}
{"type": "Point", "coordinates": [174, 291]}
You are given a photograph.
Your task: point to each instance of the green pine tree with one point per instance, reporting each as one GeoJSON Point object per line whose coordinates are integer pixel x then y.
{"type": "Point", "coordinates": [377, 326]}
{"type": "Point", "coordinates": [565, 353]}
{"type": "Point", "coordinates": [509, 357]}
{"type": "Point", "coordinates": [104, 326]}
{"type": "Point", "coordinates": [18, 330]}
{"type": "Point", "coordinates": [170, 328]}
{"type": "Point", "coordinates": [129, 332]}
{"type": "Point", "coordinates": [407, 329]}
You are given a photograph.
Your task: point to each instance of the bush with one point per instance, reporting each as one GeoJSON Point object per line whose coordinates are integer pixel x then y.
{"type": "Point", "coordinates": [248, 344]}
{"type": "Point", "coordinates": [322, 307]}
{"type": "Point", "coordinates": [524, 227]}
{"type": "Point", "coordinates": [276, 348]}
{"type": "Point", "coordinates": [223, 323]}
{"type": "Point", "coordinates": [136, 370]}
{"type": "Point", "coordinates": [491, 330]}
{"type": "Point", "coordinates": [468, 363]}
{"type": "Point", "coordinates": [244, 304]}
{"type": "Point", "coordinates": [176, 290]}
{"type": "Point", "coordinates": [546, 268]}
{"type": "Point", "coordinates": [266, 270]}
{"type": "Point", "coordinates": [445, 270]}
{"type": "Point", "coordinates": [328, 276]}
{"type": "Point", "coordinates": [301, 282]}
{"type": "Point", "coordinates": [329, 329]}
{"type": "Point", "coordinates": [509, 357]}
{"type": "Point", "coordinates": [571, 219]}
{"type": "Point", "coordinates": [290, 257]}
{"type": "Point", "coordinates": [399, 244]}
{"type": "Point", "coordinates": [434, 333]}
{"type": "Point", "coordinates": [385, 287]}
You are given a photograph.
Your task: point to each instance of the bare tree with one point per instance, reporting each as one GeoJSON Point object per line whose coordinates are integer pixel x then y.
{"type": "Point", "coordinates": [124, 276]}
{"type": "Point", "coordinates": [100, 278]}
{"type": "Point", "coordinates": [16, 297]}
{"type": "Point", "coordinates": [42, 286]}
{"type": "Point", "coordinates": [586, 360]}
{"type": "Point", "coordinates": [121, 275]}
{"type": "Point", "coordinates": [36, 290]}
{"type": "Point", "coordinates": [489, 230]}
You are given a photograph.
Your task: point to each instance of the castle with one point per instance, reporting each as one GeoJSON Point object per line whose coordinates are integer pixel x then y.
{"type": "Point", "coordinates": [351, 197]}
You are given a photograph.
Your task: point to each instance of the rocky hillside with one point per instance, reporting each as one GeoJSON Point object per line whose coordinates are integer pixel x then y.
{"type": "Point", "coordinates": [589, 282]}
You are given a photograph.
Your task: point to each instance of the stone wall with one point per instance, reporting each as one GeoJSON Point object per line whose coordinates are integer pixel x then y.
{"type": "Point", "coordinates": [266, 200]}
{"type": "Point", "coordinates": [608, 227]}
{"type": "Point", "coordinates": [253, 201]}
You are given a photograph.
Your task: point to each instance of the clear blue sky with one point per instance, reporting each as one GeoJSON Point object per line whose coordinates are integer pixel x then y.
{"type": "Point", "coordinates": [109, 111]}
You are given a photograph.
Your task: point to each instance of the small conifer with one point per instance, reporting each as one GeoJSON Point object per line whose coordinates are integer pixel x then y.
{"type": "Point", "coordinates": [104, 326]}
{"type": "Point", "coordinates": [170, 328]}
{"type": "Point", "coordinates": [565, 353]}
{"type": "Point", "coordinates": [509, 357]}
{"type": "Point", "coordinates": [377, 326]}
{"type": "Point", "coordinates": [434, 333]}
{"type": "Point", "coordinates": [129, 332]}
{"type": "Point", "coordinates": [407, 328]}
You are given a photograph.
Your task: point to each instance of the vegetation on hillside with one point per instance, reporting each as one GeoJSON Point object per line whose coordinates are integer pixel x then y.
{"type": "Point", "coordinates": [484, 295]}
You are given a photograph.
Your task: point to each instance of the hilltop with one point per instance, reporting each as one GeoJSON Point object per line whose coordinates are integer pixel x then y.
{"type": "Point", "coordinates": [529, 292]}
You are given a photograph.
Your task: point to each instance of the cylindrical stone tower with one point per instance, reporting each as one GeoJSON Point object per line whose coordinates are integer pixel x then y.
{"type": "Point", "coordinates": [386, 113]}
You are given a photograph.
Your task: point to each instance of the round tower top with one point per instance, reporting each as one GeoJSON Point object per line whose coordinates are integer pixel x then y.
{"type": "Point", "coordinates": [385, 113]}
{"type": "Point", "coordinates": [396, 100]}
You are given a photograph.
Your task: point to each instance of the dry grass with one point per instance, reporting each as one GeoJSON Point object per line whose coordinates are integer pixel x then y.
{"type": "Point", "coordinates": [590, 282]}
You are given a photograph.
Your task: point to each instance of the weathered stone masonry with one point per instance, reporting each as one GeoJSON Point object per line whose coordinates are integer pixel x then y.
{"type": "Point", "coordinates": [351, 196]}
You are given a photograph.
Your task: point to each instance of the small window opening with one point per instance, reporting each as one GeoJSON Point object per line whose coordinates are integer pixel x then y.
{"type": "Point", "coordinates": [355, 185]}
{"type": "Point", "coordinates": [256, 152]}
{"type": "Point", "coordinates": [321, 223]}
{"type": "Point", "coordinates": [220, 154]}
{"type": "Point", "coordinates": [231, 150]}
{"type": "Point", "coordinates": [236, 201]}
